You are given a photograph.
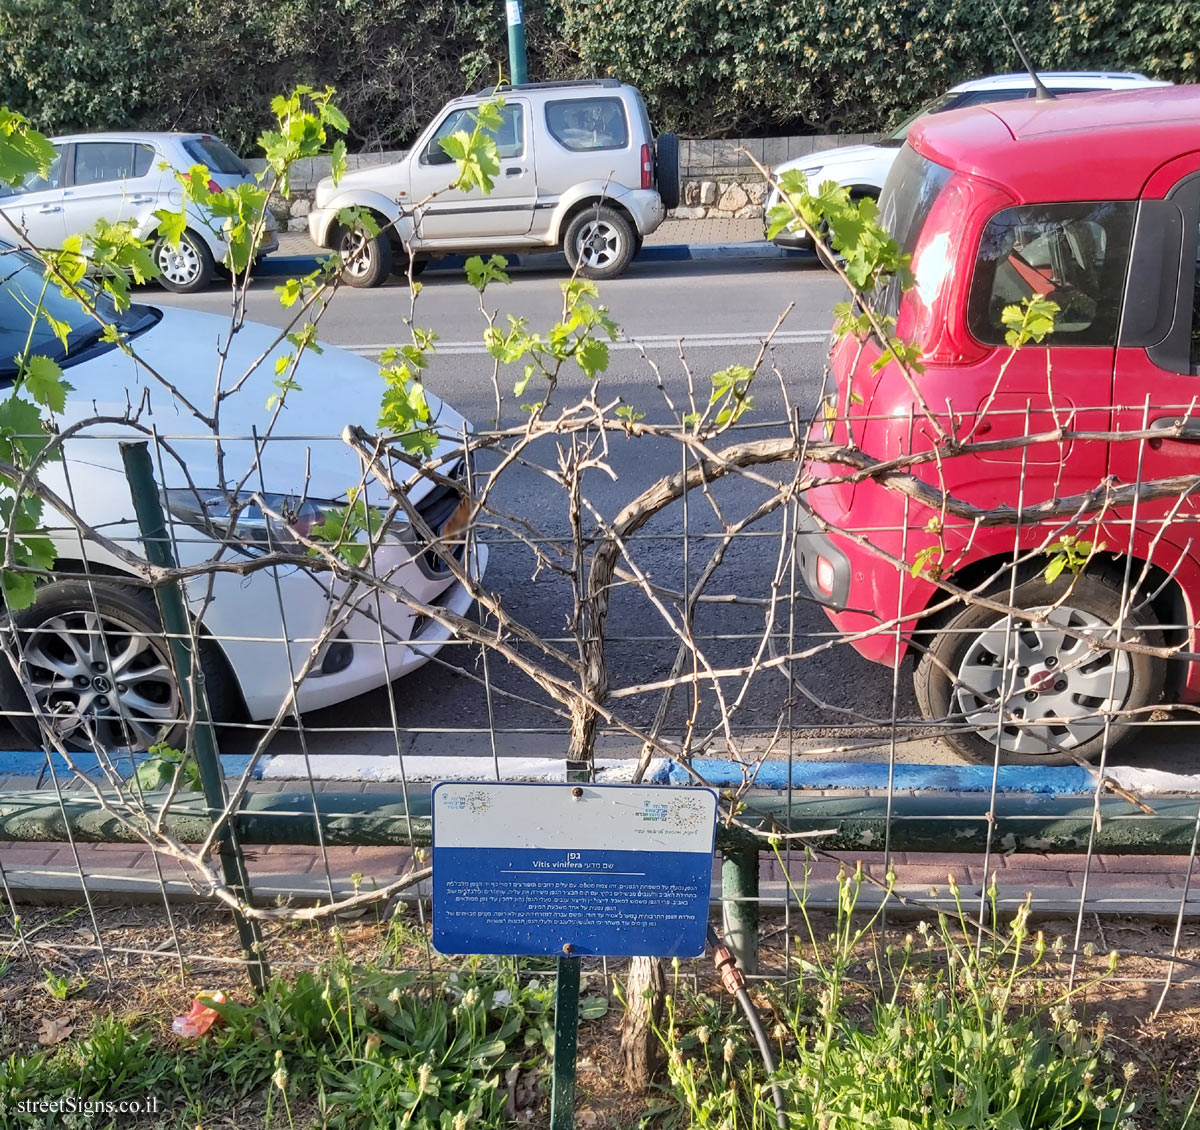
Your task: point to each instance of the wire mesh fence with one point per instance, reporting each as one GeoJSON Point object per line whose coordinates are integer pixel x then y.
{"type": "Point", "coordinates": [630, 599]}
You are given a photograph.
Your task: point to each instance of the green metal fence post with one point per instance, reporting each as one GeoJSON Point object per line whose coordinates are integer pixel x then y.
{"type": "Point", "coordinates": [566, 1041]}
{"type": "Point", "coordinates": [139, 472]}
{"type": "Point", "coordinates": [516, 42]}
{"type": "Point", "coordinates": [739, 903]}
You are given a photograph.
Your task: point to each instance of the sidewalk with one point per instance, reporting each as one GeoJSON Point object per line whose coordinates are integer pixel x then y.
{"type": "Point", "coordinates": [1141, 886]}
{"type": "Point", "coordinates": [672, 233]}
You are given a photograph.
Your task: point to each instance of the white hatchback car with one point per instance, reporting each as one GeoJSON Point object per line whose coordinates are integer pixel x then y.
{"type": "Point", "coordinates": [123, 176]}
{"type": "Point", "coordinates": [864, 168]}
{"type": "Point", "coordinates": [580, 170]}
{"type": "Point", "coordinates": [95, 652]}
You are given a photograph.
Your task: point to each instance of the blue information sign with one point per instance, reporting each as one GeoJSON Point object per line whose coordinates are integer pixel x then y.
{"type": "Point", "coordinates": [614, 870]}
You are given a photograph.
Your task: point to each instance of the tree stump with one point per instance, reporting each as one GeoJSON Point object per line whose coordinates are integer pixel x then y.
{"type": "Point", "coordinates": [641, 1050]}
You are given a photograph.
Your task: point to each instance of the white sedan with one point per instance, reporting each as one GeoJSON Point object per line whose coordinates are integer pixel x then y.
{"type": "Point", "coordinates": [95, 656]}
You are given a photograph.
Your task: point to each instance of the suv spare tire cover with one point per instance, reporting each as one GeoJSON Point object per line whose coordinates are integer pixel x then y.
{"type": "Point", "coordinates": [666, 159]}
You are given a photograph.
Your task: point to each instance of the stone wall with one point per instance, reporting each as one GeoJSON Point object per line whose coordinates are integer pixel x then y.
{"type": "Point", "coordinates": [718, 179]}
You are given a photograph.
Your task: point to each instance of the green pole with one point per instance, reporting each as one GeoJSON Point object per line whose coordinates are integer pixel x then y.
{"type": "Point", "coordinates": [739, 903]}
{"type": "Point", "coordinates": [566, 1041]}
{"type": "Point", "coordinates": [516, 43]}
{"type": "Point", "coordinates": [139, 471]}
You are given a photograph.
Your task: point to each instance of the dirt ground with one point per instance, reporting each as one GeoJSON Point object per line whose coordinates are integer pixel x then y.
{"type": "Point", "coordinates": [152, 973]}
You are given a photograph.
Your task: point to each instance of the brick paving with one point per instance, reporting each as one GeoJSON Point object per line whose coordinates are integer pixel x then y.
{"type": "Point", "coordinates": [1125, 884]}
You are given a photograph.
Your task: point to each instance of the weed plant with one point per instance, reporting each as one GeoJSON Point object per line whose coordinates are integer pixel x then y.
{"type": "Point", "coordinates": [344, 1048]}
{"type": "Point", "coordinates": [950, 1029]}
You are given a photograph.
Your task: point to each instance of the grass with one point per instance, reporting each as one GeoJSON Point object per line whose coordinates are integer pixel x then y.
{"type": "Point", "coordinates": [940, 1031]}
{"type": "Point", "coordinates": [873, 1028]}
{"type": "Point", "coordinates": [347, 1047]}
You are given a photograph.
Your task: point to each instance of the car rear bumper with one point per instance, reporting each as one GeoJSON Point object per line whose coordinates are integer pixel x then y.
{"type": "Point", "coordinates": [646, 208]}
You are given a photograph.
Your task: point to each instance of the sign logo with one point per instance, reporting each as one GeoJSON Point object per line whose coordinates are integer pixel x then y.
{"type": "Point", "coordinates": [683, 813]}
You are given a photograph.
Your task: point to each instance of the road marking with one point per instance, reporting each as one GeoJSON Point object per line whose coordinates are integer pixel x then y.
{"type": "Point", "coordinates": [643, 341]}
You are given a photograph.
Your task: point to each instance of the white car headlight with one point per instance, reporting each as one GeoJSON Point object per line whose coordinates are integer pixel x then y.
{"type": "Point", "coordinates": [242, 521]}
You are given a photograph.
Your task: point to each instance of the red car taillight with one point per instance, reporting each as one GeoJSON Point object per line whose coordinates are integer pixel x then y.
{"type": "Point", "coordinates": [213, 187]}
{"type": "Point", "coordinates": [647, 167]}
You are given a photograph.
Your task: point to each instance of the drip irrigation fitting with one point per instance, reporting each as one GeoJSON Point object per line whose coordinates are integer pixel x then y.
{"type": "Point", "coordinates": [735, 984]}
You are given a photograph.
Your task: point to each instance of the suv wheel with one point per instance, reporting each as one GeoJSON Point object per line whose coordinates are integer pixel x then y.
{"type": "Point", "coordinates": [99, 668]}
{"type": "Point", "coordinates": [600, 242]}
{"type": "Point", "coordinates": [187, 268]}
{"type": "Point", "coordinates": [367, 259]}
{"type": "Point", "coordinates": [1039, 693]}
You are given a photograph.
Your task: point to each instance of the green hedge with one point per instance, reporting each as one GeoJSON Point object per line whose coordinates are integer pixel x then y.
{"type": "Point", "coordinates": [730, 67]}
{"type": "Point", "coordinates": [214, 64]}
{"type": "Point", "coordinates": [707, 67]}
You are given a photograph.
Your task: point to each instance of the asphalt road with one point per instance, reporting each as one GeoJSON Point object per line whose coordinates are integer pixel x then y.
{"type": "Point", "coordinates": [680, 318]}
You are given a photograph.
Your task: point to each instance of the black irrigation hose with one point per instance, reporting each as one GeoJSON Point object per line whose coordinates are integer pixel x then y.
{"type": "Point", "coordinates": [735, 983]}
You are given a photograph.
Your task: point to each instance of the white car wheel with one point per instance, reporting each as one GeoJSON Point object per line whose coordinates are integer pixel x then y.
{"type": "Point", "coordinates": [186, 268]}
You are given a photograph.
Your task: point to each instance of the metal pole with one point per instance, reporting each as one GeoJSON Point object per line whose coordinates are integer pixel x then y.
{"type": "Point", "coordinates": [139, 471]}
{"type": "Point", "coordinates": [516, 43]}
{"type": "Point", "coordinates": [739, 903]}
{"type": "Point", "coordinates": [566, 1041]}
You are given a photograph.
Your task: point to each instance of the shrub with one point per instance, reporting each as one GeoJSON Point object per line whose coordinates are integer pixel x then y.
{"type": "Point", "coordinates": [707, 67]}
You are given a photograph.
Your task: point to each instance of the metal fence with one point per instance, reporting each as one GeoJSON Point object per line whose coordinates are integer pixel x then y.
{"type": "Point", "coordinates": [627, 598]}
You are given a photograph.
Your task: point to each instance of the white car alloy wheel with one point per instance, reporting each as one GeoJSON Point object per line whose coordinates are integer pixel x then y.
{"type": "Point", "coordinates": [102, 680]}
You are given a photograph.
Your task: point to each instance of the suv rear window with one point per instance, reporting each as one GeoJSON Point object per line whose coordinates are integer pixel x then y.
{"type": "Point", "coordinates": [1074, 254]}
{"type": "Point", "coordinates": [584, 124]}
{"type": "Point", "coordinates": [216, 156]}
{"type": "Point", "coordinates": [912, 188]}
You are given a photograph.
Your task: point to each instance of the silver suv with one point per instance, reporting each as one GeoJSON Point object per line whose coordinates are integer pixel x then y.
{"type": "Point", "coordinates": [121, 176]}
{"type": "Point", "coordinates": [580, 170]}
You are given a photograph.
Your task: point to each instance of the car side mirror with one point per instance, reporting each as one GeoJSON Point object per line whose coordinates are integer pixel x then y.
{"type": "Point", "coordinates": [435, 154]}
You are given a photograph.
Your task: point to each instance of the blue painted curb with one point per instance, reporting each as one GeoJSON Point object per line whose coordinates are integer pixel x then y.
{"type": "Point", "coordinates": [813, 775]}
{"type": "Point", "coordinates": [288, 265]}
{"type": "Point", "coordinates": [1067, 780]}
{"type": "Point", "coordinates": [27, 763]}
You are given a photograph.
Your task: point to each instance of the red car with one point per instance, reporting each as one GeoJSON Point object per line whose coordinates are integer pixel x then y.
{"type": "Point", "coordinates": [1094, 202]}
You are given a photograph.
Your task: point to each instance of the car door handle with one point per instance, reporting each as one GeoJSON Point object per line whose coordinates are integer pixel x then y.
{"type": "Point", "coordinates": [141, 198]}
{"type": "Point", "coordinates": [46, 209]}
{"type": "Point", "coordinates": [1189, 429]}
{"type": "Point", "coordinates": [513, 171]}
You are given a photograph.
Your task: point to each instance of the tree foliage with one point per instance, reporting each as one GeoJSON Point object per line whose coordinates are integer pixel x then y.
{"type": "Point", "coordinates": [214, 64]}
{"type": "Point", "coordinates": [707, 67]}
{"type": "Point", "coordinates": [741, 67]}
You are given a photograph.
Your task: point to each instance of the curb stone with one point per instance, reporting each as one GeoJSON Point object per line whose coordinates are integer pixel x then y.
{"type": "Point", "coordinates": [275, 266]}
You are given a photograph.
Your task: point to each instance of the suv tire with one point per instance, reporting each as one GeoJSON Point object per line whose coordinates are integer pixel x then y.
{"type": "Point", "coordinates": [184, 269]}
{"type": "Point", "coordinates": [76, 627]}
{"type": "Point", "coordinates": [367, 259]}
{"type": "Point", "coordinates": [599, 243]}
{"type": "Point", "coordinates": [1061, 671]}
{"type": "Point", "coordinates": [666, 169]}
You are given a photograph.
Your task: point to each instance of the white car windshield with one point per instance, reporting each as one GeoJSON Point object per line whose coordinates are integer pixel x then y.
{"type": "Point", "coordinates": [899, 135]}
{"type": "Point", "coordinates": [24, 292]}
